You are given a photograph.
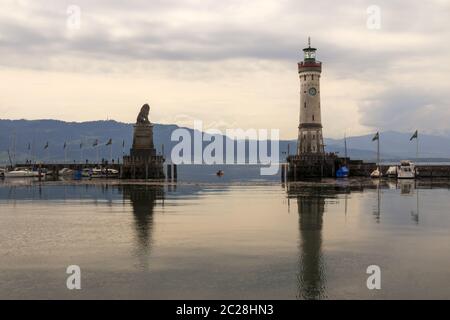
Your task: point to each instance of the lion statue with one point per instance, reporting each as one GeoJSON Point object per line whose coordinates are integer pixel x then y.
{"type": "Point", "coordinates": [142, 117]}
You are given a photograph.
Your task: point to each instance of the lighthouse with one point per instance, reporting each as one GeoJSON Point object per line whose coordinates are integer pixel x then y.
{"type": "Point", "coordinates": [310, 139]}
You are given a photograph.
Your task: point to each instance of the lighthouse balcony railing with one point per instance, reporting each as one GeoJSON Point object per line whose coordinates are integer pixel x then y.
{"type": "Point", "coordinates": [304, 66]}
{"type": "Point", "coordinates": [314, 63]}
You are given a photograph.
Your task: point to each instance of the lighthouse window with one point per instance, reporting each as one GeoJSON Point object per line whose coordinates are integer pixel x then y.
{"type": "Point", "coordinates": [314, 136]}
{"type": "Point", "coordinates": [312, 77]}
{"type": "Point", "coordinates": [313, 117]}
{"type": "Point", "coordinates": [305, 104]}
{"type": "Point", "coordinates": [305, 78]}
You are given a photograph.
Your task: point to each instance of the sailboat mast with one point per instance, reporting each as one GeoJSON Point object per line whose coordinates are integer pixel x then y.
{"type": "Point", "coordinates": [14, 145]}
{"type": "Point", "coordinates": [345, 145]}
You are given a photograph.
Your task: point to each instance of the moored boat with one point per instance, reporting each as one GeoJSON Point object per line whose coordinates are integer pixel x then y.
{"type": "Point", "coordinates": [406, 170]}
{"type": "Point", "coordinates": [66, 172]}
{"type": "Point", "coordinates": [392, 172]}
{"type": "Point", "coordinates": [342, 172]}
{"type": "Point", "coordinates": [23, 173]}
{"type": "Point", "coordinates": [376, 173]}
{"type": "Point", "coordinates": [100, 173]}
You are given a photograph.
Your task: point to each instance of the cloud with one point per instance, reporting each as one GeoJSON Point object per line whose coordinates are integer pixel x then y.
{"type": "Point", "coordinates": [408, 109]}
{"type": "Point", "coordinates": [244, 52]}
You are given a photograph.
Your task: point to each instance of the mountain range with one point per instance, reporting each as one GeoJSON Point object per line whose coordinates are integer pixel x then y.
{"type": "Point", "coordinates": [26, 139]}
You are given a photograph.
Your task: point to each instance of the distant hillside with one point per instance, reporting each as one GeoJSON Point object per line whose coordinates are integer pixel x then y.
{"type": "Point", "coordinates": [36, 133]}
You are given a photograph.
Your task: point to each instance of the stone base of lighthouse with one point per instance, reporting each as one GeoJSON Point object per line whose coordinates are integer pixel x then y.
{"type": "Point", "coordinates": [312, 165]}
{"type": "Point", "coordinates": [316, 166]}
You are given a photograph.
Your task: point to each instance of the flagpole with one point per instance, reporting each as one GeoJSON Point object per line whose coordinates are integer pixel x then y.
{"type": "Point", "coordinates": [378, 151]}
{"type": "Point", "coordinates": [417, 148]}
{"type": "Point", "coordinates": [32, 152]}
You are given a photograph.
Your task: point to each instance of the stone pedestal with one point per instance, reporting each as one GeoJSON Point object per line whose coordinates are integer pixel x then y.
{"type": "Point", "coordinates": [143, 138]}
{"type": "Point", "coordinates": [143, 162]}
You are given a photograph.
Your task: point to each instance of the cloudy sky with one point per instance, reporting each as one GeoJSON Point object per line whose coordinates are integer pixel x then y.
{"type": "Point", "coordinates": [229, 63]}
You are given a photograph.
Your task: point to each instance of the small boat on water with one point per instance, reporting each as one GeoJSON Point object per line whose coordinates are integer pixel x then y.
{"type": "Point", "coordinates": [86, 173]}
{"type": "Point", "coordinates": [392, 172]}
{"type": "Point", "coordinates": [65, 172]}
{"type": "Point", "coordinates": [100, 173]}
{"type": "Point", "coordinates": [342, 172]}
{"type": "Point", "coordinates": [406, 170]}
{"type": "Point", "coordinates": [220, 173]}
{"type": "Point", "coordinates": [376, 173]}
{"type": "Point", "coordinates": [23, 173]}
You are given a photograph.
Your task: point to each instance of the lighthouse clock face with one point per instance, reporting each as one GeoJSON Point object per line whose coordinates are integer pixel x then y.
{"type": "Point", "coordinates": [312, 91]}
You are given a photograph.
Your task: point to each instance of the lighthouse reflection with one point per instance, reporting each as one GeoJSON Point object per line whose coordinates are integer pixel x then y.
{"type": "Point", "coordinates": [143, 199]}
{"type": "Point", "coordinates": [311, 276]}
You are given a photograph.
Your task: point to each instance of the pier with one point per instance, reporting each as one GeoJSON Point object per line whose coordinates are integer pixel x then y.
{"type": "Point", "coordinates": [325, 166]}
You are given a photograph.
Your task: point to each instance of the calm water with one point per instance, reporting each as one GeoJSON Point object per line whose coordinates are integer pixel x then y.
{"type": "Point", "coordinates": [302, 241]}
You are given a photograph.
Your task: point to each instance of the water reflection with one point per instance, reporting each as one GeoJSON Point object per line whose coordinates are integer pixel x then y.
{"type": "Point", "coordinates": [311, 203]}
{"type": "Point", "coordinates": [311, 275]}
{"type": "Point", "coordinates": [143, 199]}
{"type": "Point", "coordinates": [311, 207]}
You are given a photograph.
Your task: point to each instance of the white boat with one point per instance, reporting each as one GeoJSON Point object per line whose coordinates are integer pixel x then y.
{"type": "Point", "coordinates": [113, 172]}
{"type": "Point", "coordinates": [376, 173]}
{"type": "Point", "coordinates": [23, 173]}
{"type": "Point", "coordinates": [392, 172]}
{"type": "Point", "coordinates": [406, 170]}
{"type": "Point", "coordinates": [100, 173]}
{"type": "Point", "coordinates": [104, 173]}
{"type": "Point", "coordinates": [97, 173]}
{"type": "Point", "coordinates": [87, 172]}
{"type": "Point", "coordinates": [65, 172]}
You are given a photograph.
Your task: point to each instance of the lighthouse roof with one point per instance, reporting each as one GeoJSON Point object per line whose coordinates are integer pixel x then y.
{"type": "Point", "coordinates": [309, 48]}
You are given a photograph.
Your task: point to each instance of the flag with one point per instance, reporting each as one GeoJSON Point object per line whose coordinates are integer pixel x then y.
{"type": "Point", "coordinates": [415, 135]}
{"type": "Point", "coordinates": [46, 145]}
{"type": "Point", "coordinates": [109, 142]}
{"type": "Point", "coordinates": [65, 145]}
{"type": "Point", "coordinates": [95, 143]}
{"type": "Point", "coordinates": [29, 146]}
{"type": "Point", "coordinates": [123, 144]}
{"type": "Point", "coordinates": [376, 137]}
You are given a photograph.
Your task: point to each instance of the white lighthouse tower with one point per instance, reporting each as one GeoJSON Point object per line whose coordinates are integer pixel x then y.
{"type": "Point", "coordinates": [310, 140]}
